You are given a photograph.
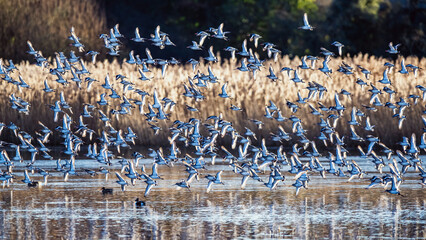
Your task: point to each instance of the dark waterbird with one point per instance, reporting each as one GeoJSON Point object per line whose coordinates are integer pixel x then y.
{"type": "Point", "coordinates": [139, 203]}
{"type": "Point", "coordinates": [107, 190]}
{"type": "Point", "coordinates": [32, 184]}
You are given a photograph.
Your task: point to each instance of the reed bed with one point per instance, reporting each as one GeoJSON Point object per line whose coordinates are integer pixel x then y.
{"type": "Point", "coordinates": [252, 95]}
{"type": "Point", "coordinates": [47, 24]}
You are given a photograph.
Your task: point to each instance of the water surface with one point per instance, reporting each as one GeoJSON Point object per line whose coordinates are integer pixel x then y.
{"type": "Point", "coordinates": [330, 208]}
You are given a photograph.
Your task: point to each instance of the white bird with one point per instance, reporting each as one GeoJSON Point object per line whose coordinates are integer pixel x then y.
{"type": "Point", "coordinates": [232, 50]}
{"type": "Point", "coordinates": [116, 31]}
{"type": "Point", "coordinates": [156, 104]}
{"type": "Point", "coordinates": [339, 47]}
{"type": "Point", "coordinates": [296, 77]}
{"type": "Point", "coordinates": [354, 136]}
{"type": "Point", "coordinates": [131, 59]}
{"type": "Point", "coordinates": [149, 59]}
{"type": "Point", "coordinates": [306, 25]}
{"type": "Point", "coordinates": [353, 120]}
{"type": "Point", "coordinates": [255, 37]}
{"type": "Point", "coordinates": [211, 56]}
{"type": "Point", "coordinates": [393, 49]}
{"type": "Point", "coordinates": [163, 63]}
{"type": "Point", "coordinates": [304, 64]}
{"type": "Point", "coordinates": [214, 179]}
{"type": "Point", "coordinates": [168, 42]}
{"type": "Point", "coordinates": [243, 67]}
{"type": "Point", "coordinates": [413, 150]}
{"type": "Point", "coordinates": [32, 51]}
{"type": "Point", "coordinates": [150, 184]}
{"type": "Point", "coordinates": [223, 94]}
{"type": "Point", "coordinates": [272, 75]}
{"type": "Point", "coordinates": [27, 177]}
{"type": "Point", "coordinates": [92, 53]}
{"type": "Point", "coordinates": [325, 69]}
{"type": "Point", "coordinates": [137, 37]}
{"type": "Point", "coordinates": [244, 51]}
{"type": "Point", "coordinates": [194, 46]}
{"type": "Point", "coordinates": [220, 34]}
{"type": "Point", "coordinates": [76, 40]}
{"type": "Point", "coordinates": [385, 79]}
{"type": "Point", "coordinates": [143, 77]}
{"type": "Point", "coordinates": [368, 126]}
{"type": "Point", "coordinates": [156, 37]}
{"type": "Point", "coordinates": [121, 181]}
{"type": "Point", "coordinates": [403, 68]}
{"type": "Point", "coordinates": [46, 88]}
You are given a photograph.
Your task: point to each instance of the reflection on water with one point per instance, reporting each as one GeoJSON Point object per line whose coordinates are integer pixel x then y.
{"type": "Point", "coordinates": [330, 209]}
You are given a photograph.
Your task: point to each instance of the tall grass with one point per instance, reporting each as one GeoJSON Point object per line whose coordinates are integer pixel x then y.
{"type": "Point", "coordinates": [47, 25]}
{"type": "Point", "coordinates": [252, 95]}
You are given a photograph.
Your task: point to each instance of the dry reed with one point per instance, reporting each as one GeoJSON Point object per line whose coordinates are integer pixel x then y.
{"type": "Point", "coordinates": [47, 24]}
{"type": "Point", "coordinates": [252, 95]}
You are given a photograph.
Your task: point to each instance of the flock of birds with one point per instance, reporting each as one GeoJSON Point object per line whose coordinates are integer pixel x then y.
{"type": "Point", "coordinates": [248, 160]}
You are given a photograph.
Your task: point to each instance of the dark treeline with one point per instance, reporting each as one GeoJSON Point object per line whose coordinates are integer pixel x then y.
{"type": "Point", "coordinates": [365, 26]}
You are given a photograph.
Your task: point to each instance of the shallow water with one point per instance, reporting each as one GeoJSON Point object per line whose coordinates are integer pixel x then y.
{"type": "Point", "coordinates": [330, 208]}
